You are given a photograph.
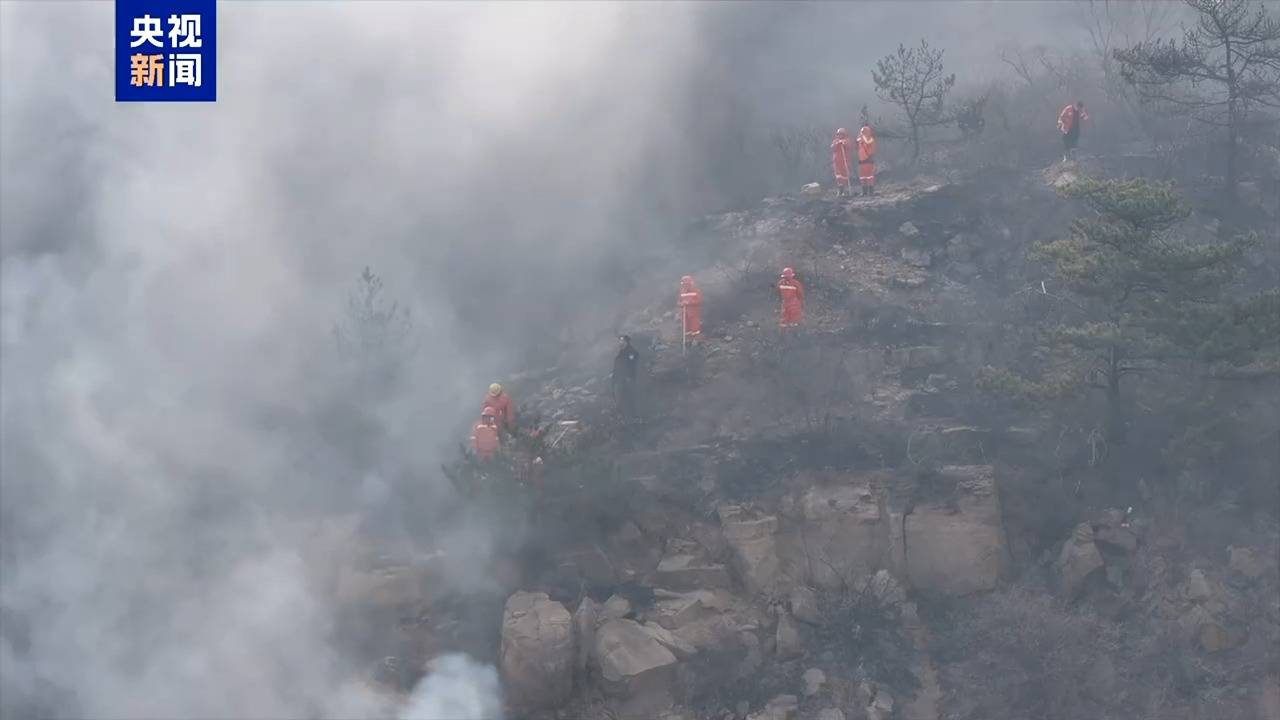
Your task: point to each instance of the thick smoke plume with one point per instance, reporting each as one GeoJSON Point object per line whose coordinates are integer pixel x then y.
{"type": "Point", "coordinates": [457, 688]}
{"type": "Point", "coordinates": [175, 412]}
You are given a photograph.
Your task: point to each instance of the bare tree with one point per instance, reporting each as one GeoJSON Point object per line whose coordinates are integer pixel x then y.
{"type": "Point", "coordinates": [913, 80]}
{"type": "Point", "coordinates": [799, 153]}
{"type": "Point", "coordinates": [1225, 72]}
{"type": "Point", "coordinates": [1114, 24]}
{"type": "Point", "coordinates": [1037, 65]}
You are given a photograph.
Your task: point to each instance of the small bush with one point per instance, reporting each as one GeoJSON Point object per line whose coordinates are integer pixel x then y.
{"type": "Point", "coordinates": [862, 627]}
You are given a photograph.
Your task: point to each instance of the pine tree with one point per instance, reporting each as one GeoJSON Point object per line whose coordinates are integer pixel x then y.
{"type": "Point", "coordinates": [1225, 73]}
{"type": "Point", "coordinates": [1141, 298]}
{"type": "Point", "coordinates": [375, 336]}
{"type": "Point", "coordinates": [913, 80]}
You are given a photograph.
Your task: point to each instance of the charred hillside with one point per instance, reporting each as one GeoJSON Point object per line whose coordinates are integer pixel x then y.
{"type": "Point", "coordinates": [845, 522]}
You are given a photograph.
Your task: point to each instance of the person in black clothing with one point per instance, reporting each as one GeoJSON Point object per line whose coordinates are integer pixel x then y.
{"type": "Point", "coordinates": [624, 377]}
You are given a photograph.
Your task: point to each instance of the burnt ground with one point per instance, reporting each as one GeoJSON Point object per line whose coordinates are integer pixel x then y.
{"type": "Point", "coordinates": [908, 294]}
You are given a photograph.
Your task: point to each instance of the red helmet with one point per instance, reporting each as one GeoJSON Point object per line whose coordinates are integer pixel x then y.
{"type": "Point", "coordinates": [866, 130]}
{"type": "Point", "coordinates": [788, 273]}
{"type": "Point", "coordinates": [686, 280]}
{"type": "Point", "coordinates": [842, 133]}
{"type": "Point", "coordinates": [488, 412]}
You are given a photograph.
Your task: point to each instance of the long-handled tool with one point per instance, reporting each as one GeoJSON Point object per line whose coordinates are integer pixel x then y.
{"type": "Point", "coordinates": [567, 425]}
{"type": "Point", "coordinates": [848, 171]}
{"type": "Point", "coordinates": [684, 328]}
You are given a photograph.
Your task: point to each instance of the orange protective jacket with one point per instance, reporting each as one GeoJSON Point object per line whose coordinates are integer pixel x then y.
{"type": "Point", "coordinates": [1067, 118]}
{"type": "Point", "coordinates": [484, 440]}
{"type": "Point", "coordinates": [866, 156]}
{"type": "Point", "coordinates": [841, 155]}
{"type": "Point", "coordinates": [504, 410]}
{"type": "Point", "coordinates": [791, 290]}
{"type": "Point", "coordinates": [690, 303]}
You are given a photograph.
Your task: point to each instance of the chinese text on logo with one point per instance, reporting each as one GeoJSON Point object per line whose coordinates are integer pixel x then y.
{"type": "Point", "coordinates": [166, 50]}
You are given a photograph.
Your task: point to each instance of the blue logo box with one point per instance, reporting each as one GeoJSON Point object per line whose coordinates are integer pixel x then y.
{"type": "Point", "coordinates": [166, 50]}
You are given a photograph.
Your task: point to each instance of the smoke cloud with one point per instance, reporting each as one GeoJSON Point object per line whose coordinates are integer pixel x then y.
{"type": "Point", "coordinates": [173, 405]}
{"type": "Point", "coordinates": [457, 688]}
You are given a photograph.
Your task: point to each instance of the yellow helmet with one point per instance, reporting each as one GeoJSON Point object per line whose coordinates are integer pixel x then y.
{"type": "Point", "coordinates": [495, 389]}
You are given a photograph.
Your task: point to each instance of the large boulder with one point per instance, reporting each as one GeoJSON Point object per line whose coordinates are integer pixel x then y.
{"type": "Point", "coordinates": [750, 537]}
{"type": "Point", "coordinates": [788, 642]}
{"type": "Point", "coordinates": [1197, 587]}
{"type": "Point", "coordinates": [838, 532]}
{"type": "Point", "coordinates": [686, 572]}
{"type": "Point", "coordinates": [881, 707]}
{"type": "Point", "coordinates": [704, 619]}
{"type": "Point", "coordinates": [1078, 561]}
{"type": "Point", "coordinates": [1248, 563]}
{"type": "Point", "coordinates": [679, 647]}
{"type": "Point", "coordinates": [616, 607]}
{"type": "Point", "coordinates": [804, 605]}
{"type": "Point", "coordinates": [537, 656]}
{"type": "Point", "coordinates": [953, 542]}
{"type": "Point", "coordinates": [815, 681]}
{"type": "Point", "coordinates": [634, 668]}
{"type": "Point", "coordinates": [676, 610]}
{"type": "Point", "coordinates": [1207, 629]}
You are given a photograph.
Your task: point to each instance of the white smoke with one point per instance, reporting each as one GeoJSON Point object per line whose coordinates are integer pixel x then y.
{"type": "Point", "coordinates": [174, 436]}
{"type": "Point", "coordinates": [458, 688]}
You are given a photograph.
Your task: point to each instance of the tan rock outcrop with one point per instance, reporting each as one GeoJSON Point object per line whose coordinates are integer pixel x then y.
{"type": "Point", "coordinates": [537, 656]}
{"type": "Point", "coordinates": [634, 668]}
{"type": "Point", "coordinates": [955, 544]}
{"type": "Point", "coordinates": [839, 532]}
{"type": "Point", "coordinates": [1078, 561]}
{"type": "Point", "coordinates": [752, 542]}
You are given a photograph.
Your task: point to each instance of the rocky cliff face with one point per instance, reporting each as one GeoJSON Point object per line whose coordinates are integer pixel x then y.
{"type": "Point", "coordinates": [772, 540]}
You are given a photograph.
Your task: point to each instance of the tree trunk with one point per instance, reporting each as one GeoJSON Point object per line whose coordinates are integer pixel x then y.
{"type": "Point", "coordinates": [1115, 407]}
{"type": "Point", "coordinates": [1233, 126]}
{"type": "Point", "coordinates": [1231, 181]}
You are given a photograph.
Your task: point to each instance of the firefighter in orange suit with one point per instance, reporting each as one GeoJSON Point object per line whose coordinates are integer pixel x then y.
{"type": "Point", "coordinates": [791, 292]}
{"type": "Point", "coordinates": [690, 304]}
{"type": "Point", "coordinates": [867, 160]}
{"type": "Point", "coordinates": [503, 409]}
{"type": "Point", "coordinates": [841, 157]}
{"type": "Point", "coordinates": [484, 436]}
{"type": "Point", "coordinates": [1070, 120]}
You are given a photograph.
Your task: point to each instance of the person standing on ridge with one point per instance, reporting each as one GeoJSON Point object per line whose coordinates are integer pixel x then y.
{"type": "Point", "coordinates": [504, 410]}
{"type": "Point", "coordinates": [841, 155]}
{"type": "Point", "coordinates": [1069, 122]}
{"type": "Point", "coordinates": [625, 364]}
{"type": "Point", "coordinates": [791, 292]}
{"type": "Point", "coordinates": [484, 436]}
{"type": "Point", "coordinates": [867, 160]}
{"type": "Point", "coordinates": [690, 303]}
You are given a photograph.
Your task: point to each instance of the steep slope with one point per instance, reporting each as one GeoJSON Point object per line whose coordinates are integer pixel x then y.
{"type": "Point", "coordinates": [793, 517]}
